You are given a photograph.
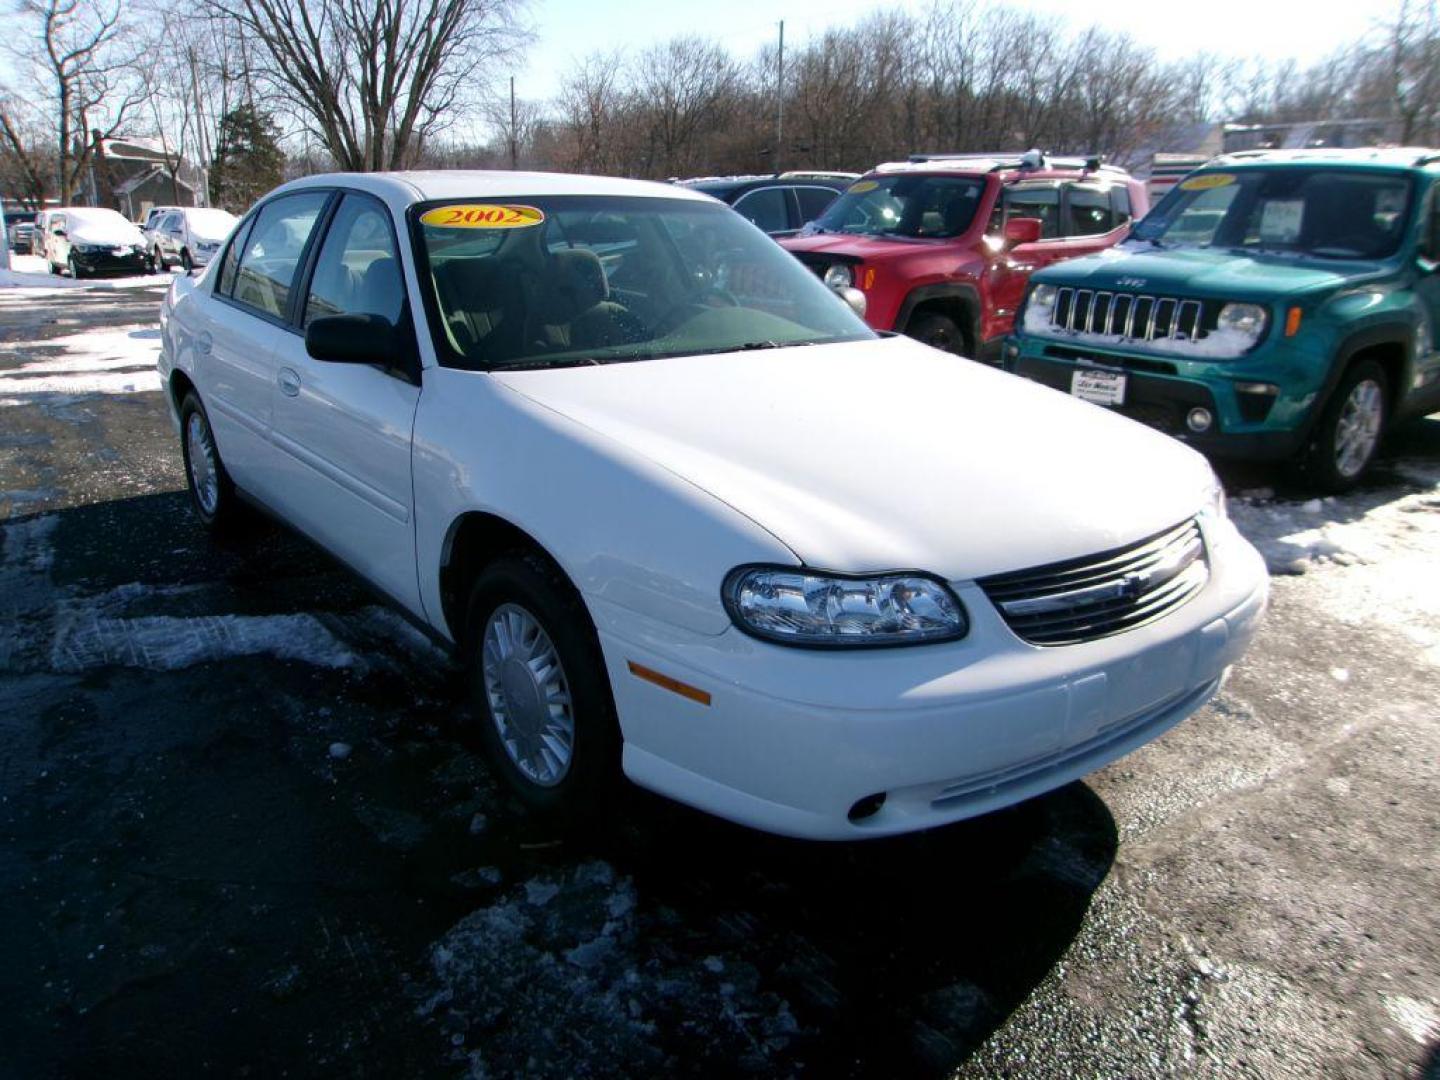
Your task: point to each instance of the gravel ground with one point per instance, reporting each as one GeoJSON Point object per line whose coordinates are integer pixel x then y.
{"type": "Point", "coordinates": [242, 831]}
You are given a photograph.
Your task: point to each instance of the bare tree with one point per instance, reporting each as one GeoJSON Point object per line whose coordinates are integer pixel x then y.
{"type": "Point", "coordinates": [86, 72]}
{"type": "Point", "coordinates": [371, 80]}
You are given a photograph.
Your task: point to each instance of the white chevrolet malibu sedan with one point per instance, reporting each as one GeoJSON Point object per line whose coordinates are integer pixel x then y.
{"type": "Point", "coordinates": [686, 517]}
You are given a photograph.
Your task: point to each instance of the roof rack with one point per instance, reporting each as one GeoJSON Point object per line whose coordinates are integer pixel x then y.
{"type": "Point", "coordinates": [817, 174]}
{"type": "Point", "coordinates": [1428, 158]}
{"type": "Point", "coordinates": [1031, 159]}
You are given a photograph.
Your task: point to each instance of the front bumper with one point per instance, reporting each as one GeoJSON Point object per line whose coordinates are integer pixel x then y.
{"type": "Point", "coordinates": [1161, 390]}
{"type": "Point", "coordinates": [108, 262]}
{"type": "Point", "coordinates": [793, 739]}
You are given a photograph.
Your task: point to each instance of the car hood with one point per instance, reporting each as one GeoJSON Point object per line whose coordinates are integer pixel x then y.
{"type": "Point", "coordinates": [1139, 267]}
{"type": "Point", "coordinates": [105, 233]}
{"type": "Point", "coordinates": [855, 246]}
{"type": "Point", "coordinates": [886, 454]}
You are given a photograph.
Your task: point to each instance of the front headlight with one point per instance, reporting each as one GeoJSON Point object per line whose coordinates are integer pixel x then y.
{"type": "Point", "coordinates": [1215, 501]}
{"type": "Point", "coordinates": [1247, 320]}
{"type": "Point", "coordinates": [839, 276]}
{"type": "Point", "coordinates": [1042, 299]}
{"type": "Point", "coordinates": [805, 607]}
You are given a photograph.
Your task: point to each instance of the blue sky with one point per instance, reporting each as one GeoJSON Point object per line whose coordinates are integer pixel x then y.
{"type": "Point", "coordinates": [1264, 28]}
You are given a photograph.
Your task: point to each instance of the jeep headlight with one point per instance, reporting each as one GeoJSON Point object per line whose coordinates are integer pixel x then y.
{"type": "Point", "coordinates": [1247, 320]}
{"type": "Point", "coordinates": [794, 606]}
{"type": "Point", "coordinates": [839, 276]}
{"type": "Point", "coordinates": [1042, 299]}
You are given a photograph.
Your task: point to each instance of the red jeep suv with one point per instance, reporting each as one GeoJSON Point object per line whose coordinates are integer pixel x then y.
{"type": "Point", "coordinates": [943, 245]}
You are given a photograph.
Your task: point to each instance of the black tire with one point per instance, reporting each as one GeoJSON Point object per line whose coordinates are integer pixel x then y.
{"type": "Point", "coordinates": [529, 584]}
{"type": "Point", "coordinates": [937, 331]}
{"type": "Point", "coordinates": [223, 513]}
{"type": "Point", "coordinates": [1325, 467]}
{"type": "Point", "coordinates": [186, 263]}
{"type": "Point", "coordinates": [73, 267]}
{"type": "Point", "coordinates": [157, 261]}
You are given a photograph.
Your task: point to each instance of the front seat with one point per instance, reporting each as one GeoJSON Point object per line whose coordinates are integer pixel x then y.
{"type": "Point", "coordinates": [575, 310]}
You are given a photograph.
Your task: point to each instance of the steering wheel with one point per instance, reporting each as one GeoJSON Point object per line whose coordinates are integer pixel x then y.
{"type": "Point", "coordinates": [675, 315]}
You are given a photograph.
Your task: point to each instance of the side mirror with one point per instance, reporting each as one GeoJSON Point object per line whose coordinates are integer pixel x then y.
{"type": "Point", "coordinates": [61, 232]}
{"type": "Point", "coordinates": [1023, 230]}
{"type": "Point", "coordinates": [358, 339]}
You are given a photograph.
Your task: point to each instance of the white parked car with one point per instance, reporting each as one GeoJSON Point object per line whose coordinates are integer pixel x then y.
{"type": "Point", "coordinates": [685, 515]}
{"type": "Point", "coordinates": [87, 240]}
{"type": "Point", "coordinates": [188, 237]}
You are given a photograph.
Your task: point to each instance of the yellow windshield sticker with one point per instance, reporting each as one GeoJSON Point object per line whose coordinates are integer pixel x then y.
{"type": "Point", "coordinates": [1206, 181]}
{"type": "Point", "coordinates": [483, 216]}
{"type": "Point", "coordinates": [861, 186]}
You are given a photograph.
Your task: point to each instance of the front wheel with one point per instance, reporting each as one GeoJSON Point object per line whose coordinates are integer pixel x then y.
{"type": "Point", "coordinates": [74, 268]}
{"type": "Point", "coordinates": [186, 263]}
{"type": "Point", "coordinates": [937, 331]}
{"type": "Point", "coordinates": [543, 710]}
{"type": "Point", "coordinates": [1348, 434]}
{"type": "Point", "coordinates": [212, 493]}
{"type": "Point", "coordinates": [157, 261]}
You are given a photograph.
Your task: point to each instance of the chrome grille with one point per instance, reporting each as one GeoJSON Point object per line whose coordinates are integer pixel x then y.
{"type": "Point", "coordinates": [1093, 597]}
{"type": "Point", "coordinates": [1127, 315]}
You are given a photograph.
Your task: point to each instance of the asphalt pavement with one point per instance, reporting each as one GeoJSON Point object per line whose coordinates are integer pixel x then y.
{"type": "Point", "coordinates": [243, 831]}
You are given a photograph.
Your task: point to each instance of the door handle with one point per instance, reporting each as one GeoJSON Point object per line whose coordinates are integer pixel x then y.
{"type": "Point", "coordinates": [289, 381]}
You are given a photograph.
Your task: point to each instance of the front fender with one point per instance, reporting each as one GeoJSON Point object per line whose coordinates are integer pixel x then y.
{"type": "Point", "coordinates": [622, 527]}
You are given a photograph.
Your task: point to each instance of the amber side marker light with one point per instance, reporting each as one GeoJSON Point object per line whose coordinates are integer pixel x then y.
{"type": "Point", "coordinates": [685, 690]}
{"type": "Point", "coordinates": [1292, 322]}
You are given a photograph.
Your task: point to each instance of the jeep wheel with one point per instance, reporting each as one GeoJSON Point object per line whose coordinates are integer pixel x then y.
{"type": "Point", "coordinates": [543, 711]}
{"type": "Point", "coordinates": [937, 331]}
{"type": "Point", "coordinates": [186, 263]}
{"type": "Point", "coordinates": [1348, 434]}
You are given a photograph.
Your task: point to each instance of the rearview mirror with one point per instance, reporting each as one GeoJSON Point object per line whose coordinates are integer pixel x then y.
{"type": "Point", "coordinates": [358, 339]}
{"type": "Point", "coordinates": [1023, 230]}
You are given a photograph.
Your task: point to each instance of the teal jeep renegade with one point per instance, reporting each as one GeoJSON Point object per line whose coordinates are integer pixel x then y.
{"type": "Point", "coordinates": [1276, 305]}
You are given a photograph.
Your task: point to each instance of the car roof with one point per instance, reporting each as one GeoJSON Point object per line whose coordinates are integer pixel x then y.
{"type": "Point", "coordinates": [402, 189]}
{"type": "Point", "coordinates": [1405, 157]}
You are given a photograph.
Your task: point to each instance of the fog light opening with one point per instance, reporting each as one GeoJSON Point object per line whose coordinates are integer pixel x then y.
{"type": "Point", "coordinates": [867, 807]}
{"type": "Point", "coordinates": [1199, 419]}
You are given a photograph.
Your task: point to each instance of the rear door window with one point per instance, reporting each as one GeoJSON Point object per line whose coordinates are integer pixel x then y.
{"type": "Point", "coordinates": [271, 259]}
{"type": "Point", "coordinates": [767, 208]}
{"type": "Point", "coordinates": [814, 201]}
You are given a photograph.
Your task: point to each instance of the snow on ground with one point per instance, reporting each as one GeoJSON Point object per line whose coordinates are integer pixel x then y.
{"type": "Point", "coordinates": [91, 362]}
{"type": "Point", "coordinates": [1370, 556]}
{"type": "Point", "coordinates": [574, 944]}
{"type": "Point", "coordinates": [29, 278]}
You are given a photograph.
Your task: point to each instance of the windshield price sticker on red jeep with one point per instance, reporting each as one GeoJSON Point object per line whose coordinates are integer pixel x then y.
{"type": "Point", "coordinates": [483, 216]}
{"type": "Point", "coordinates": [1206, 181]}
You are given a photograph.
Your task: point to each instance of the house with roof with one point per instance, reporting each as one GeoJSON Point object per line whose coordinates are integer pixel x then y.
{"type": "Point", "coordinates": [133, 174]}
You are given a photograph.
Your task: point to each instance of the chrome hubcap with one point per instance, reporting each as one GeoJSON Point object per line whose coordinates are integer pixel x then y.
{"type": "Point", "coordinates": [204, 470]}
{"type": "Point", "coordinates": [528, 694]}
{"type": "Point", "coordinates": [1358, 430]}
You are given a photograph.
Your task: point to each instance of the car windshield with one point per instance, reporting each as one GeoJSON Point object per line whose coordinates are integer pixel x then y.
{"type": "Point", "coordinates": [1330, 213]}
{"type": "Point", "coordinates": [904, 205]}
{"type": "Point", "coordinates": [557, 280]}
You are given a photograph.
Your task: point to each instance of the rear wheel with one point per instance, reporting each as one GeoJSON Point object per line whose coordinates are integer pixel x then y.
{"type": "Point", "coordinates": [1345, 440]}
{"type": "Point", "coordinates": [212, 493]}
{"type": "Point", "coordinates": [543, 711]}
{"type": "Point", "coordinates": [938, 331]}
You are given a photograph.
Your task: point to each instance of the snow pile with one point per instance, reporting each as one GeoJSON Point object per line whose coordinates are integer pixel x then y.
{"type": "Point", "coordinates": [87, 636]}
{"type": "Point", "coordinates": [562, 977]}
{"type": "Point", "coordinates": [97, 361]}
{"type": "Point", "coordinates": [1377, 551]}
